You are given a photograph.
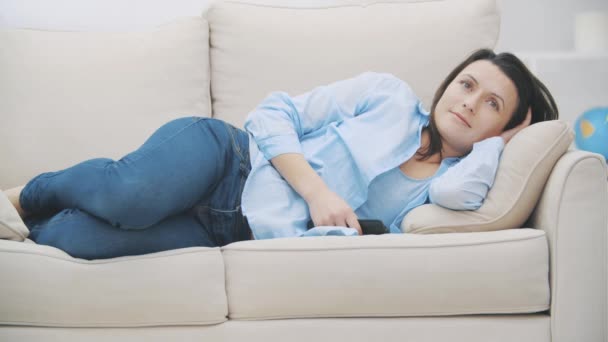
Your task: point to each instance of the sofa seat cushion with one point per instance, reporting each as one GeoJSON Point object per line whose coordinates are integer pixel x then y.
{"type": "Point", "coordinates": [47, 287]}
{"type": "Point", "coordinates": [494, 272]}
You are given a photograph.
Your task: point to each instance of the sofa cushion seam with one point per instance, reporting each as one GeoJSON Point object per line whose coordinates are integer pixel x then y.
{"type": "Point", "coordinates": [528, 309]}
{"type": "Point", "coordinates": [382, 247]}
{"type": "Point", "coordinates": [108, 324]}
{"type": "Point", "coordinates": [106, 261]}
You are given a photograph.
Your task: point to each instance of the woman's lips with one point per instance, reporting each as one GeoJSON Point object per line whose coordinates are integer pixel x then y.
{"type": "Point", "coordinates": [458, 115]}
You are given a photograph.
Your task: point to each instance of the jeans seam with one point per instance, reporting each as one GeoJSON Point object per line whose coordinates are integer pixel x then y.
{"type": "Point", "coordinates": [243, 223]}
{"type": "Point", "coordinates": [242, 186]}
{"type": "Point", "coordinates": [235, 146]}
{"type": "Point", "coordinates": [64, 215]}
{"type": "Point", "coordinates": [220, 210]}
{"type": "Point", "coordinates": [167, 139]}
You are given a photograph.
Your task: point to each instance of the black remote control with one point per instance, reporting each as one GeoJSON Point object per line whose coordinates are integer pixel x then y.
{"type": "Point", "coordinates": [368, 226]}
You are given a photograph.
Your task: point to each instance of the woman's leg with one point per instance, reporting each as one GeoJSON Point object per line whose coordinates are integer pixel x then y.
{"type": "Point", "coordinates": [177, 165]}
{"type": "Point", "coordinates": [84, 236]}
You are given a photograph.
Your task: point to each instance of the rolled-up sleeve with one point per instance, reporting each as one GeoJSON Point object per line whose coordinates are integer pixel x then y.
{"type": "Point", "coordinates": [465, 185]}
{"type": "Point", "coordinates": [279, 122]}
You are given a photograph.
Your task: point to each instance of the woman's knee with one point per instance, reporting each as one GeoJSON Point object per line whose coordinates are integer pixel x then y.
{"type": "Point", "coordinates": [164, 177]}
{"type": "Point", "coordinates": [130, 207]}
{"type": "Point", "coordinates": [62, 232]}
{"type": "Point", "coordinates": [125, 204]}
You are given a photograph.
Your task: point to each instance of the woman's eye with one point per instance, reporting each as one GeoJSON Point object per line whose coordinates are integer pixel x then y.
{"type": "Point", "coordinates": [494, 104]}
{"type": "Point", "coordinates": [466, 84]}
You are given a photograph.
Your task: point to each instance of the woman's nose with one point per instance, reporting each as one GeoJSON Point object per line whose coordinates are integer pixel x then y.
{"type": "Point", "coordinates": [467, 106]}
{"type": "Point", "coordinates": [471, 101]}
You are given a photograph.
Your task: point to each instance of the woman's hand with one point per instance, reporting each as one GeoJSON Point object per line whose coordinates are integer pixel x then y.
{"type": "Point", "coordinates": [507, 135]}
{"type": "Point", "coordinates": [329, 209]}
{"type": "Point", "coordinates": [326, 207]}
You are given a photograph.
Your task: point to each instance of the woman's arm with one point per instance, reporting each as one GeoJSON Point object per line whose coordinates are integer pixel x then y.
{"type": "Point", "coordinates": [326, 207]}
{"type": "Point", "coordinates": [279, 122]}
{"type": "Point", "coordinates": [465, 185]}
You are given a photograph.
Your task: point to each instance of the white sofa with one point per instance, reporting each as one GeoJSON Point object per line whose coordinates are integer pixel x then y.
{"type": "Point", "coordinates": [69, 96]}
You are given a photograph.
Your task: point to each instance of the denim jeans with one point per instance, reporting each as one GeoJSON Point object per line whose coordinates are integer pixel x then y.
{"type": "Point", "coordinates": [181, 188]}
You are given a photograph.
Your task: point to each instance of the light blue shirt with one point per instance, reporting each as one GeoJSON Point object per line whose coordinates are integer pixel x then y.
{"type": "Point", "coordinates": [350, 132]}
{"type": "Point", "coordinates": [389, 193]}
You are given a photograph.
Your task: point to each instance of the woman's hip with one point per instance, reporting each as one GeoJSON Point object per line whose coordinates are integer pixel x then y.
{"type": "Point", "coordinates": [220, 212]}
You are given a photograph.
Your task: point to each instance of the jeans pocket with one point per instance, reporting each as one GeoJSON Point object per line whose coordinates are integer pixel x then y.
{"type": "Point", "coordinates": [225, 226]}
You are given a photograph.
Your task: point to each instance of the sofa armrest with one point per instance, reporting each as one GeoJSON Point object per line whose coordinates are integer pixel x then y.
{"type": "Point", "coordinates": [573, 212]}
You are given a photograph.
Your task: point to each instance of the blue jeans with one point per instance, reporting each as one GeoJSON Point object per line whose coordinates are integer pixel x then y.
{"type": "Point", "coordinates": [181, 188]}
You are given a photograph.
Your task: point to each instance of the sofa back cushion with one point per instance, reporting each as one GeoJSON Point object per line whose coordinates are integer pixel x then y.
{"type": "Point", "coordinates": [256, 49]}
{"type": "Point", "coordinates": [70, 96]}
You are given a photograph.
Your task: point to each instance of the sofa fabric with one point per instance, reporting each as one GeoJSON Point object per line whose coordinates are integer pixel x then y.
{"type": "Point", "coordinates": [70, 96]}
{"type": "Point", "coordinates": [544, 280]}
{"type": "Point", "coordinates": [12, 226]}
{"type": "Point", "coordinates": [49, 288]}
{"type": "Point", "coordinates": [375, 276]}
{"type": "Point", "coordinates": [474, 328]}
{"type": "Point", "coordinates": [572, 211]}
{"type": "Point", "coordinates": [525, 164]}
{"type": "Point", "coordinates": [419, 42]}
{"type": "Point", "coordinates": [388, 275]}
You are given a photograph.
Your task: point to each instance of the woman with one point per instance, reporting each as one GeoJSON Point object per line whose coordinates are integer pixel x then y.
{"type": "Point", "coordinates": [358, 148]}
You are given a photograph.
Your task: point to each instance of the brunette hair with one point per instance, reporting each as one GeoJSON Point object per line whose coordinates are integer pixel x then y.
{"type": "Point", "coordinates": [531, 92]}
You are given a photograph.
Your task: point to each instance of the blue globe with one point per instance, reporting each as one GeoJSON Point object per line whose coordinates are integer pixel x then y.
{"type": "Point", "coordinates": [591, 131]}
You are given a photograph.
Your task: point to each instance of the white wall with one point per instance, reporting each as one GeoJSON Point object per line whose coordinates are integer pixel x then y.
{"type": "Point", "coordinates": [527, 25]}
{"type": "Point", "coordinates": [535, 25]}
{"type": "Point", "coordinates": [94, 15]}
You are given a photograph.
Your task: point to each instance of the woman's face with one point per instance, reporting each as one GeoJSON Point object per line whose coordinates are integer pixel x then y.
{"type": "Point", "coordinates": [476, 105]}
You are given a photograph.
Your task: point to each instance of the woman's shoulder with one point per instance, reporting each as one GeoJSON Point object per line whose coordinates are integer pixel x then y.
{"type": "Point", "coordinates": [386, 81]}
{"type": "Point", "coordinates": [382, 76]}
